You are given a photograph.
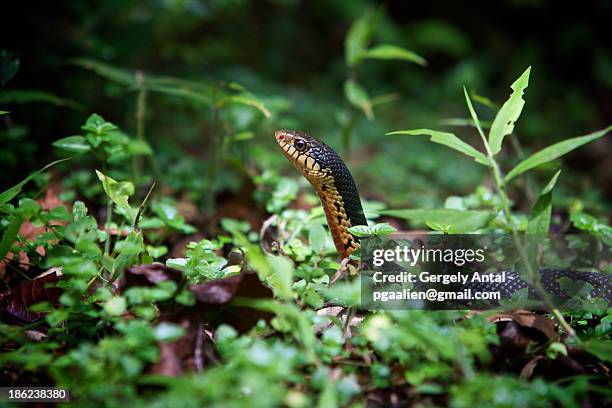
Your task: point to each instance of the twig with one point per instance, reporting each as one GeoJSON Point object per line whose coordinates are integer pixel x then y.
{"type": "Point", "coordinates": [264, 227]}
{"type": "Point", "coordinates": [141, 208]}
{"type": "Point", "coordinates": [341, 271]}
{"type": "Point", "coordinates": [346, 331]}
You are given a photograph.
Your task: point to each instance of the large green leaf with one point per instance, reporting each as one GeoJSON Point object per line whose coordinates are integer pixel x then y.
{"type": "Point", "coordinates": [392, 52]}
{"type": "Point", "coordinates": [509, 113]}
{"type": "Point", "coordinates": [22, 96]}
{"type": "Point", "coordinates": [553, 152]}
{"type": "Point", "coordinates": [319, 238]}
{"type": "Point", "coordinates": [456, 221]}
{"type": "Point", "coordinates": [249, 100]}
{"type": "Point", "coordinates": [8, 194]}
{"type": "Point", "coordinates": [118, 75]}
{"type": "Point", "coordinates": [358, 97]}
{"type": "Point", "coordinates": [539, 219]}
{"type": "Point", "coordinates": [447, 139]}
{"type": "Point", "coordinates": [600, 348]}
{"type": "Point", "coordinates": [98, 125]}
{"type": "Point", "coordinates": [281, 277]}
{"type": "Point", "coordinates": [75, 144]}
{"type": "Point", "coordinates": [118, 192]}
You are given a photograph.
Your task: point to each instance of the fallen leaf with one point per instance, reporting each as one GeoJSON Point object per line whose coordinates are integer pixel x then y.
{"type": "Point", "coordinates": [527, 370]}
{"type": "Point", "coordinates": [528, 319]}
{"type": "Point", "coordinates": [16, 301]}
{"type": "Point", "coordinates": [148, 275]}
{"type": "Point", "coordinates": [512, 341]}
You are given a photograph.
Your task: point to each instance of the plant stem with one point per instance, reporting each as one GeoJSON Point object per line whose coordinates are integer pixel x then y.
{"type": "Point", "coordinates": [499, 184]}
{"type": "Point", "coordinates": [109, 218]}
{"type": "Point", "coordinates": [141, 110]}
{"type": "Point", "coordinates": [213, 156]}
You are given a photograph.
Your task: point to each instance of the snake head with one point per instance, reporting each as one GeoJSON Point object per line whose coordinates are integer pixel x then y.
{"type": "Point", "coordinates": [304, 152]}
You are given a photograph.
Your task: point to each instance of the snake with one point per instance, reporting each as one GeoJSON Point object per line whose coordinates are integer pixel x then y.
{"type": "Point", "coordinates": [328, 174]}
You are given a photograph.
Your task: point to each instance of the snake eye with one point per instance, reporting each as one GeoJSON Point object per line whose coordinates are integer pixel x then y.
{"type": "Point", "coordinates": [300, 144]}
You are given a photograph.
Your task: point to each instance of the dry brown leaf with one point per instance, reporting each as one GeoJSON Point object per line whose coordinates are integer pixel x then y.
{"type": "Point", "coordinates": [527, 370]}
{"type": "Point", "coordinates": [16, 301]}
{"type": "Point", "coordinates": [528, 319]}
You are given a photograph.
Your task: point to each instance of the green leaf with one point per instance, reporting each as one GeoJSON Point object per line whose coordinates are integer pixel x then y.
{"type": "Point", "coordinates": [23, 96]}
{"type": "Point", "coordinates": [358, 36]}
{"type": "Point", "coordinates": [392, 52]}
{"type": "Point", "coordinates": [468, 101]}
{"type": "Point", "coordinates": [345, 293]}
{"type": "Point", "coordinates": [118, 192]}
{"type": "Point", "coordinates": [554, 151]}
{"type": "Point", "coordinates": [138, 147]}
{"type": "Point", "coordinates": [250, 101]}
{"type": "Point", "coordinates": [189, 91]}
{"type": "Point", "coordinates": [83, 229]}
{"type": "Point", "coordinates": [318, 237]}
{"type": "Point", "coordinates": [98, 125]}
{"type": "Point", "coordinates": [556, 348]}
{"type": "Point", "coordinates": [358, 97]}
{"type": "Point", "coordinates": [79, 210]}
{"type": "Point", "coordinates": [587, 222]}
{"type": "Point", "coordinates": [360, 230]}
{"type": "Point", "coordinates": [107, 71]}
{"type": "Point", "coordinates": [539, 219]}
{"type": "Point", "coordinates": [7, 195]}
{"type": "Point", "coordinates": [28, 208]}
{"type": "Point", "coordinates": [3, 112]}
{"type": "Point", "coordinates": [115, 306]}
{"type": "Point", "coordinates": [281, 276]}
{"type": "Point", "coordinates": [240, 136]}
{"type": "Point", "coordinates": [9, 235]}
{"type": "Point", "coordinates": [329, 396]}
{"type": "Point", "coordinates": [176, 263]}
{"type": "Point", "coordinates": [503, 124]}
{"type": "Point", "coordinates": [455, 221]}
{"type": "Point", "coordinates": [447, 139]}
{"type": "Point", "coordinates": [156, 251]}
{"type": "Point", "coordinates": [167, 332]}
{"type": "Point", "coordinates": [602, 349]}
{"type": "Point", "coordinates": [383, 229]}
{"type": "Point", "coordinates": [75, 144]}
{"type": "Point", "coordinates": [575, 288]}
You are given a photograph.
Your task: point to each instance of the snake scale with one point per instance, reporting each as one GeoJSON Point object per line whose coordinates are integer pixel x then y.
{"type": "Point", "coordinates": [328, 174]}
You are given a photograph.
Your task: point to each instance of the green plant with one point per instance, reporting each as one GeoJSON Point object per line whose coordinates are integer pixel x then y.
{"type": "Point", "coordinates": [539, 219]}
{"type": "Point", "coordinates": [356, 52]}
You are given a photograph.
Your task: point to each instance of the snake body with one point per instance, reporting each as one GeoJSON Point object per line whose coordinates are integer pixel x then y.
{"type": "Point", "coordinates": [334, 184]}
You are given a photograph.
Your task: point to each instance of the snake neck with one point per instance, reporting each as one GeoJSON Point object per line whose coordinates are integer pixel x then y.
{"type": "Point", "coordinates": [338, 220]}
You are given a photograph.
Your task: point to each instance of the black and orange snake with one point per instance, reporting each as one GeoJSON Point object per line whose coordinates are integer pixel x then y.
{"type": "Point", "coordinates": [334, 184]}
